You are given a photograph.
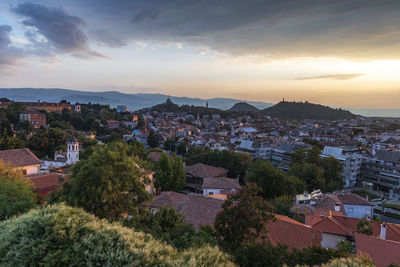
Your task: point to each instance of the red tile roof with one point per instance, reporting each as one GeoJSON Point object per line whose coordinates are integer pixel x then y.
{"type": "Point", "coordinates": [292, 233]}
{"type": "Point", "coordinates": [19, 157]}
{"type": "Point", "coordinates": [382, 252]}
{"type": "Point", "coordinates": [347, 226]}
{"type": "Point", "coordinates": [220, 183]}
{"type": "Point", "coordinates": [46, 183]}
{"type": "Point", "coordinates": [352, 199]}
{"type": "Point", "coordinates": [202, 170]}
{"type": "Point", "coordinates": [197, 209]}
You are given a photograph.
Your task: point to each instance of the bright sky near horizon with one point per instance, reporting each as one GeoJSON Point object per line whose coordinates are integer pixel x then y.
{"type": "Point", "coordinates": [339, 53]}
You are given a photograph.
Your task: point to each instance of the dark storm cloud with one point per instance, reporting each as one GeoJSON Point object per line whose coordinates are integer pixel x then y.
{"type": "Point", "coordinates": [9, 55]}
{"type": "Point", "coordinates": [63, 31]}
{"type": "Point", "coordinates": [333, 77]}
{"type": "Point", "coordinates": [146, 15]}
{"type": "Point", "coordinates": [350, 29]}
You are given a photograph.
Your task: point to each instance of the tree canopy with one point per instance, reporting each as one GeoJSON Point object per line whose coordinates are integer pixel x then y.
{"type": "Point", "coordinates": [16, 193]}
{"type": "Point", "coordinates": [170, 173]}
{"type": "Point", "coordinates": [274, 182]}
{"type": "Point", "coordinates": [244, 217]}
{"type": "Point", "coordinates": [107, 183]}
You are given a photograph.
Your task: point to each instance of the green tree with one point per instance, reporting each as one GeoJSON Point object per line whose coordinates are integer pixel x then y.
{"type": "Point", "coordinates": [181, 149]}
{"type": "Point", "coordinates": [153, 140]}
{"type": "Point", "coordinates": [244, 217]}
{"type": "Point", "coordinates": [364, 227]}
{"type": "Point", "coordinates": [107, 183]}
{"type": "Point", "coordinates": [170, 173]}
{"type": "Point", "coordinates": [16, 193]}
{"type": "Point", "coordinates": [137, 149]}
{"type": "Point", "coordinates": [282, 204]}
{"type": "Point", "coordinates": [274, 182]}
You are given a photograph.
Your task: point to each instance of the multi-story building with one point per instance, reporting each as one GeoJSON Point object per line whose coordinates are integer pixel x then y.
{"type": "Point", "coordinates": [383, 171]}
{"type": "Point", "coordinates": [351, 161]}
{"type": "Point", "coordinates": [35, 117]}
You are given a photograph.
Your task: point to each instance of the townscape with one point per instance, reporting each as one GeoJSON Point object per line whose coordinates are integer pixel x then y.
{"type": "Point", "coordinates": [251, 133]}
{"type": "Point", "coordinates": [328, 187]}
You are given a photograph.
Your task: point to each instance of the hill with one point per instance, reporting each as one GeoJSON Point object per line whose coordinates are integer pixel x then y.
{"type": "Point", "coordinates": [305, 110]}
{"type": "Point", "coordinates": [59, 235]}
{"type": "Point", "coordinates": [243, 107]}
{"type": "Point", "coordinates": [113, 98]}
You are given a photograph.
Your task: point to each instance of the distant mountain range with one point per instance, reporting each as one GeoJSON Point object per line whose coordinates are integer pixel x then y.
{"type": "Point", "coordinates": [113, 98]}
{"type": "Point", "coordinates": [141, 100]}
{"type": "Point", "coordinates": [305, 110]}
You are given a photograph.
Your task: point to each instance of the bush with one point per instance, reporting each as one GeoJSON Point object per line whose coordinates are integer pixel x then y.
{"type": "Point", "coordinates": [59, 235]}
{"type": "Point", "coordinates": [16, 193]}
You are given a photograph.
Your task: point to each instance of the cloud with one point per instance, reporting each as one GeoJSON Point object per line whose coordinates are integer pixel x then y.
{"type": "Point", "coordinates": [104, 37]}
{"type": "Point", "coordinates": [9, 55]}
{"type": "Point", "coordinates": [267, 28]}
{"type": "Point", "coordinates": [340, 77]}
{"type": "Point", "coordinates": [146, 15]}
{"type": "Point", "coordinates": [62, 31]}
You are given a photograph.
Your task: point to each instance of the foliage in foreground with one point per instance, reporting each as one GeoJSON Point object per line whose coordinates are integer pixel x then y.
{"type": "Point", "coordinates": [263, 254]}
{"type": "Point", "coordinates": [59, 235]}
{"type": "Point", "coordinates": [16, 193]}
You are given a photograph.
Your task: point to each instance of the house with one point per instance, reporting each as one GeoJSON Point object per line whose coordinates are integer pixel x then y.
{"type": "Point", "coordinates": [112, 124]}
{"type": "Point", "coordinates": [217, 185]}
{"type": "Point", "coordinates": [197, 209]}
{"type": "Point", "coordinates": [46, 183]}
{"type": "Point", "coordinates": [350, 205]}
{"type": "Point", "coordinates": [382, 252]}
{"type": "Point", "coordinates": [22, 158]}
{"type": "Point", "coordinates": [336, 228]}
{"type": "Point", "coordinates": [36, 118]}
{"type": "Point", "coordinates": [291, 233]}
{"type": "Point", "coordinates": [197, 172]}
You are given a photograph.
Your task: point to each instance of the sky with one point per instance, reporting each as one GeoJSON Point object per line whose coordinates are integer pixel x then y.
{"type": "Point", "coordinates": [342, 53]}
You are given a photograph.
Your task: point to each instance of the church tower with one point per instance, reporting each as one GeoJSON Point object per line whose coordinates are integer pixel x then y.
{"type": "Point", "coordinates": [72, 150]}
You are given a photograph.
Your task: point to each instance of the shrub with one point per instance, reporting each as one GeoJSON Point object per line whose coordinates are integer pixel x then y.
{"type": "Point", "coordinates": [60, 235]}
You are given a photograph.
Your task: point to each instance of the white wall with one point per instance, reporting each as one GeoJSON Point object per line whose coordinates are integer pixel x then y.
{"type": "Point", "coordinates": [331, 240]}
{"type": "Point", "coordinates": [31, 170]}
{"type": "Point", "coordinates": [211, 191]}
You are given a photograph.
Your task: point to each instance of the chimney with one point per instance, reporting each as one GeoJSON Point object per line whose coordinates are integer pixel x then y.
{"type": "Point", "coordinates": [383, 230]}
{"type": "Point", "coordinates": [337, 207]}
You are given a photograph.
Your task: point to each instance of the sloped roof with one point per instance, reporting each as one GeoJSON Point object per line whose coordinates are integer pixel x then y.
{"type": "Point", "coordinates": [220, 183]}
{"type": "Point", "coordinates": [391, 156]}
{"type": "Point", "coordinates": [352, 199]}
{"type": "Point", "coordinates": [46, 183]}
{"type": "Point", "coordinates": [203, 170]}
{"type": "Point", "coordinates": [347, 226]}
{"type": "Point", "coordinates": [19, 157]}
{"type": "Point", "coordinates": [154, 156]}
{"type": "Point", "coordinates": [197, 209]}
{"type": "Point", "coordinates": [382, 252]}
{"type": "Point", "coordinates": [292, 233]}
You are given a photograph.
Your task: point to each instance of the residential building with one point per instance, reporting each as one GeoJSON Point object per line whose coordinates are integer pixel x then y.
{"type": "Point", "coordinates": [22, 158]}
{"type": "Point", "coordinates": [351, 161]}
{"type": "Point", "coordinates": [383, 171]}
{"type": "Point", "coordinates": [35, 117]}
{"type": "Point", "coordinates": [196, 173]}
{"type": "Point", "coordinates": [197, 209]}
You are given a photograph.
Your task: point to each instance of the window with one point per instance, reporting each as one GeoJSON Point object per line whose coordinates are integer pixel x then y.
{"type": "Point", "coordinates": [350, 210]}
{"type": "Point", "coordinates": [211, 193]}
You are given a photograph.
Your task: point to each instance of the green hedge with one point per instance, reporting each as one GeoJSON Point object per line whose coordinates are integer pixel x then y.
{"type": "Point", "coordinates": [60, 235]}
